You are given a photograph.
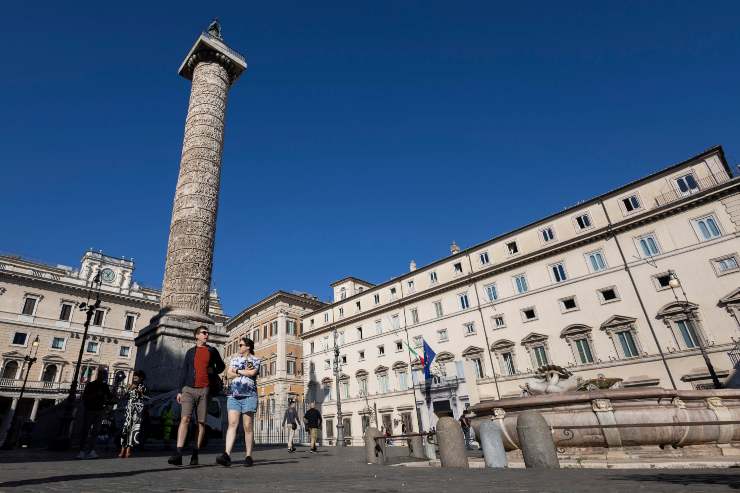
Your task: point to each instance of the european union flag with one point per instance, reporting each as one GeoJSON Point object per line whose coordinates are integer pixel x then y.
{"type": "Point", "coordinates": [429, 355]}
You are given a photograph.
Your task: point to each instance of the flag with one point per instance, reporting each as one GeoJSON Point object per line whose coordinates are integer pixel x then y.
{"type": "Point", "coordinates": [415, 354]}
{"type": "Point", "coordinates": [429, 355]}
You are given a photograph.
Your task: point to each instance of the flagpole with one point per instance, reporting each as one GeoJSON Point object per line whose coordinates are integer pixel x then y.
{"type": "Point", "coordinates": [411, 373]}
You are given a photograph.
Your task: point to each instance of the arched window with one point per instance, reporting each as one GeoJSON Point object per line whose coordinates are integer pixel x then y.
{"type": "Point", "coordinates": [474, 354]}
{"type": "Point", "coordinates": [539, 353]}
{"type": "Point", "coordinates": [682, 319]}
{"type": "Point", "coordinates": [578, 337]}
{"type": "Point", "coordinates": [11, 369]}
{"type": "Point", "coordinates": [504, 351]}
{"type": "Point", "coordinates": [623, 333]}
{"type": "Point", "coordinates": [50, 374]}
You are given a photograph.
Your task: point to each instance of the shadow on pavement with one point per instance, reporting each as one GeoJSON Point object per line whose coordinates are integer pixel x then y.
{"type": "Point", "coordinates": [78, 477]}
{"type": "Point", "coordinates": [731, 480]}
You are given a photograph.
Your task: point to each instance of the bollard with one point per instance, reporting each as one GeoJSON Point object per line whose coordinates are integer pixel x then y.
{"type": "Point", "coordinates": [417, 447]}
{"type": "Point", "coordinates": [535, 440]}
{"type": "Point", "coordinates": [492, 444]}
{"type": "Point", "coordinates": [374, 449]}
{"type": "Point", "coordinates": [451, 443]}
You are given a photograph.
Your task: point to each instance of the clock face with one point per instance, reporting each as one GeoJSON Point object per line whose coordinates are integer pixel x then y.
{"type": "Point", "coordinates": [108, 275]}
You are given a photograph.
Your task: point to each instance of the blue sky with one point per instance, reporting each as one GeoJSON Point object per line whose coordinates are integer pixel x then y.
{"type": "Point", "coordinates": [363, 134]}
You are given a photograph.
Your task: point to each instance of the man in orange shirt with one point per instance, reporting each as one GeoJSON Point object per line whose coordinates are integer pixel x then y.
{"type": "Point", "coordinates": [199, 375]}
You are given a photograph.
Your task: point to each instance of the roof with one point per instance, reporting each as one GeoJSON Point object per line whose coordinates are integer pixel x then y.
{"type": "Point", "coordinates": [351, 278]}
{"type": "Point", "coordinates": [304, 298]}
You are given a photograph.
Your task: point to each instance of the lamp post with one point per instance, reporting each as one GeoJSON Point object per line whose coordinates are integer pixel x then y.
{"type": "Point", "coordinates": [674, 282]}
{"type": "Point", "coordinates": [11, 436]}
{"type": "Point", "coordinates": [337, 373]}
{"type": "Point", "coordinates": [62, 440]}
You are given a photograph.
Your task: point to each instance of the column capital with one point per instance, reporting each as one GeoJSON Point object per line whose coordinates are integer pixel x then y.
{"type": "Point", "coordinates": [208, 48]}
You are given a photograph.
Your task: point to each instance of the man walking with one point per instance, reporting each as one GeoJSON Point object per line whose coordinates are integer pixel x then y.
{"type": "Point", "coordinates": [312, 419]}
{"type": "Point", "coordinates": [198, 381]}
{"type": "Point", "coordinates": [465, 425]}
{"type": "Point", "coordinates": [292, 422]}
{"type": "Point", "coordinates": [94, 398]}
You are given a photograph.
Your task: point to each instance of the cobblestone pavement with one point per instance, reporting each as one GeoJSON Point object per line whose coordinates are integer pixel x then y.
{"type": "Point", "coordinates": [330, 470]}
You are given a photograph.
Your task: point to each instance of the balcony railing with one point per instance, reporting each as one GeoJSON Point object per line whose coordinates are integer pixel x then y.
{"type": "Point", "coordinates": [37, 386]}
{"type": "Point", "coordinates": [702, 184]}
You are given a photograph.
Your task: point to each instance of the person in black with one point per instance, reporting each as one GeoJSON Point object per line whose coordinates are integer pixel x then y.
{"type": "Point", "coordinates": [94, 398]}
{"type": "Point", "coordinates": [199, 381]}
{"type": "Point", "coordinates": [291, 422]}
{"type": "Point", "coordinates": [312, 418]}
{"type": "Point", "coordinates": [465, 425]}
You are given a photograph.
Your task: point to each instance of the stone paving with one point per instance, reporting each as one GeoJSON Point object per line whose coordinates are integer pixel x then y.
{"type": "Point", "coordinates": [329, 470]}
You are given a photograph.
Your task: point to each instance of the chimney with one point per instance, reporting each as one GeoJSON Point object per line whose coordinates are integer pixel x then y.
{"type": "Point", "coordinates": [454, 249]}
{"type": "Point", "coordinates": [412, 266]}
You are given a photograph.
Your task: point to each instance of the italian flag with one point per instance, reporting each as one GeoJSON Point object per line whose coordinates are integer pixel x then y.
{"type": "Point", "coordinates": [416, 355]}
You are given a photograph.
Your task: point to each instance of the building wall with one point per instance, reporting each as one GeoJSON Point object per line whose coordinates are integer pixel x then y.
{"type": "Point", "coordinates": [407, 304]}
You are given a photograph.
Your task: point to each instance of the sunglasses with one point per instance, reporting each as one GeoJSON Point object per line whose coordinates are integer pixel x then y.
{"type": "Point", "coordinates": [204, 332]}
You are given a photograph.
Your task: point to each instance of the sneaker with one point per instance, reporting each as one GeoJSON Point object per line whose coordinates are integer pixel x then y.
{"type": "Point", "coordinates": [248, 461]}
{"type": "Point", "coordinates": [224, 460]}
{"type": "Point", "coordinates": [290, 450]}
{"type": "Point", "coordinates": [91, 455]}
{"type": "Point", "coordinates": [81, 455]}
{"type": "Point", "coordinates": [194, 459]}
{"type": "Point", "coordinates": [314, 450]}
{"type": "Point", "coordinates": [175, 460]}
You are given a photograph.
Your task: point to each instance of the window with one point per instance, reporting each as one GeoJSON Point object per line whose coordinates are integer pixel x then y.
{"type": "Point", "coordinates": [340, 338]}
{"type": "Point", "coordinates": [290, 328]}
{"type": "Point", "coordinates": [399, 346]}
{"type": "Point", "coordinates": [478, 367]}
{"type": "Point", "coordinates": [290, 367]}
{"type": "Point", "coordinates": [583, 348]}
{"type": "Point", "coordinates": [483, 258]}
{"type": "Point", "coordinates": [568, 304]}
{"type": "Point", "coordinates": [433, 277]}
{"type": "Point", "coordinates": [326, 317]}
{"type": "Point", "coordinates": [358, 306]}
{"type": "Point", "coordinates": [662, 281]}
{"type": "Point", "coordinates": [726, 265]}
{"type": "Point", "coordinates": [607, 295]}
{"type": "Point", "coordinates": [361, 355]}
{"type": "Point", "coordinates": [362, 384]}
{"type": "Point", "coordinates": [469, 328]}
{"type": "Point", "coordinates": [66, 312]}
{"type": "Point", "coordinates": [341, 312]}
{"type": "Point", "coordinates": [418, 341]}
{"type": "Point", "coordinates": [393, 293]}
{"type": "Point", "coordinates": [508, 363]}
{"type": "Point", "coordinates": [631, 203]}
{"type": "Point", "coordinates": [688, 334]}
{"type": "Point", "coordinates": [130, 321]}
{"type": "Point", "coordinates": [92, 347]}
{"type": "Point", "coordinates": [359, 333]}
{"type": "Point", "coordinates": [327, 364]}
{"type": "Point", "coordinates": [648, 245]}
{"type": "Point", "coordinates": [274, 327]}
{"type": "Point", "coordinates": [57, 343]}
{"type": "Point", "coordinates": [458, 268]}
{"type": "Point", "coordinates": [547, 234]}
{"type": "Point", "coordinates": [343, 359]}
{"type": "Point", "coordinates": [19, 339]}
{"type": "Point", "coordinates": [596, 261]}
{"type": "Point", "coordinates": [520, 284]}
{"type": "Point", "coordinates": [687, 184]}
{"type": "Point", "coordinates": [329, 423]}
{"type": "Point", "coordinates": [342, 293]}
{"type": "Point", "coordinates": [383, 383]}
{"type": "Point", "coordinates": [540, 356]}
{"type": "Point", "coordinates": [29, 306]}
{"type": "Point", "coordinates": [464, 303]}
{"type": "Point", "coordinates": [312, 323]}
{"type": "Point", "coordinates": [403, 380]}
{"type": "Point", "coordinates": [707, 228]}
{"type": "Point", "coordinates": [583, 221]}
{"type": "Point", "coordinates": [627, 343]}
{"type": "Point", "coordinates": [512, 248]}
{"type": "Point", "coordinates": [410, 285]}
{"type": "Point", "coordinates": [395, 322]}
{"type": "Point", "coordinates": [438, 308]}
{"type": "Point", "coordinates": [498, 322]}
{"type": "Point", "coordinates": [558, 272]}
{"type": "Point", "coordinates": [344, 389]}
{"type": "Point", "coordinates": [381, 350]}
{"type": "Point", "coordinates": [311, 347]}
{"type": "Point", "coordinates": [414, 316]}
{"type": "Point", "coordinates": [124, 351]}
{"type": "Point", "coordinates": [378, 327]}
{"type": "Point", "coordinates": [272, 368]}
{"type": "Point", "coordinates": [529, 314]}
{"type": "Point", "coordinates": [442, 335]}
{"type": "Point", "coordinates": [491, 292]}
{"type": "Point", "coordinates": [376, 298]}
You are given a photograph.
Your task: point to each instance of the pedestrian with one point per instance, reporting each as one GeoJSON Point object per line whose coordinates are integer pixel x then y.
{"type": "Point", "coordinates": [312, 418]}
{"type": "Point", "coordinates": [242, 401]}
{"type": "Point", "coordinates": [135, 392]}
{"type": "Point", "coordinates": [198, 382]}
{"type": "Point", "coordinates": [94, 399]}
{"type": "Point", "coordinates": [465, 425]}
{"type": "Point", "coordinates": [291, 422]}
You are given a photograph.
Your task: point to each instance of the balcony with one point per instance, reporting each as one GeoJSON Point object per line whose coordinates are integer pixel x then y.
{"type": "Point", "coordinates": [702, 184]}
{"type": "Point", "coordinates": [13, 386]}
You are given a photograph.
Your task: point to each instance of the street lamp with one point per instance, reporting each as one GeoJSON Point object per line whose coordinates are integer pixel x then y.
{"type": "Point", "coordinates": [62, 440]}
{"type": "Point", "coordinates": [674, 282]}
{"type": "Point", "coordinates": [11, 436]}
{"type": "Point", "coordinates": [337, 373]}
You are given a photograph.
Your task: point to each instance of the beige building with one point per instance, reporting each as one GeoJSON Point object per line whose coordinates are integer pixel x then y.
{"type": "Point", "coordinates": [41, 301]}
{"type": "Point", "coordinates": [274, 324]}
{"type": "Point", "coordinates": [587, 288]}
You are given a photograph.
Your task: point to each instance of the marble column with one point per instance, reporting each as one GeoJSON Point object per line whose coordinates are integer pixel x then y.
{"type": "Point", "coordinates": [213, 67]}
{"type": "Point", "coordinates": [8, 420]}
{"type": "Point", "coordinates": [35, 409]}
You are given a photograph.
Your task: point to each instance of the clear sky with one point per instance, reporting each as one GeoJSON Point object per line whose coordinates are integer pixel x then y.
{"type": "Point", "coordinates": [363, 134]}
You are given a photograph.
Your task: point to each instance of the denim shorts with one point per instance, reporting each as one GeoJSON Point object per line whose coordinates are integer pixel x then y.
{"type": "Point", "coordinates": [242, 404]}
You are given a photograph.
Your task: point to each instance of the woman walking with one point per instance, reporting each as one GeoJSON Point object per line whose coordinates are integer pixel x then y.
{"type": "Point", "coordinates": [242, 401]}
{"type": "Point", "coordinates": [292, 422]}
{"type": "Point", "coordinates": [134, 412]}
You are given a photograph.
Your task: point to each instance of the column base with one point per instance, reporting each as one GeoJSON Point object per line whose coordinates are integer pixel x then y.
{"type": "Point", "coordinates": [161, 348]}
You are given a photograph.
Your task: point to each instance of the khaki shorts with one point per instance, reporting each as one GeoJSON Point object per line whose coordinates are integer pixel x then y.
{"type": "Point", "coordinates": [314, 434]}
{"type": "Point", "coordinates": [194, 398]}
